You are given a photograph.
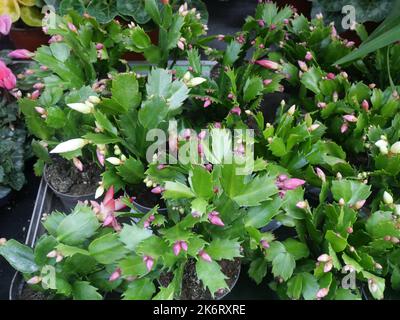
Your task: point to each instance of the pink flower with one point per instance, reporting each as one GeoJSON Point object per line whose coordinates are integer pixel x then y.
{"type": "Point", "coordinates": [350, 118]}
{"type": "Point", "coordinates": [267, 82]}
{"type": "Point", "coordinates": [321, 105]}
{"type": "Point", "coordinates": [200, 149]}
{"type": "Point", "coordinates": [149, 262]}
{"type": "Point", "coordinates": [99, 46]}
{"type": "Point", "coordinates": [38, 86]}
{"type": "Point", "coordinates": [21, 54]}
{"type": "Point", "coordinates": [115, 275]}
{"type": "Point", "coordinates": [261, 23]}
{"type": "Point", "coordinates": [5, 24]}
{"type": "Point", "coordinates": [320, 174]}
{"type": "Point", "coordinates": [217, 125]}
{"type": "Point", "coordinates": [236, 110]}
{"type": "Point", "coordinates": [214, 218]}
{"type": "Point", "coordinates": [205, 256]}
{"type": "Point", "coordinates": [322, 293]}
{"type": "Point", "coordinates": [8, 80]}
{"type": "Point", "coordinates": [308, 56]}
{"type": "Point", "coordinates": [186, 134]}
{"type": "Point", "coordinates": [106, 209]}
{"type": "Point", "coordinates": [268, 64]}
{"type": "Point", "coordinates": [202, 134]}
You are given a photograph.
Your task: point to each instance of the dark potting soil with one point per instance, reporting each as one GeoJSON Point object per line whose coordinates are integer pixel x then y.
{"type": "Point", "coordinates": [145, 198]}
{"type": "Point", "coordinates": [29, 294]}
{"type": "Point", "coordinates": [66, 178]}
{"type": "Point", "coordinates": [192, 287]}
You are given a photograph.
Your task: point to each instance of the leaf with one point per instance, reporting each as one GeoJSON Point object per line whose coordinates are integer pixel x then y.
{"type": "Point", "coordinates": [153, 112]}
{"type": "Point", "coordinates": [232, 53]}
{"type": "Point", "coordinates": [153, 11]}
{"type": "Point", "coordinates": [125, 90]}
{"type": "Point", "coordinates": [70, 251]}
{"type": "Point", "coordinates": [158, 83]}
{"type": "Point", "coordinates": [337, 242]}
{"type": "Point", "coordinates": [132, 235]}
{"type": "Point", "coordinates": [256, 191]}
{"type": "Point", "coordinates": [107, 249]}
{"type": "Point", "coordinates": [19, 256]}
{"type": "Point", "coordinates": [296, 248]}
{"type": "Point", "coordinates": [60, 51]}
{"type": "Point", "coordinates": [133, 266]}
{"type": "Point", "coordinates": [166, 293]}
{"type": "Point", "coordinates": [252, 88]}
{"type": "Point", "coordinates": [211, 275]}
{"type": "Point", "coordinates": [43, 246]}
{"type": "Point", "coordinates": [82, 290]}
{"type": "Point", "coordinates": [153, 246]}
{"type": "Point", "coordinates": [177, 190]}
{"type": "Point", "coordinates": [141, 289]}
{"type": "Point", "coordinates": [99, 138]}
{"type": "Point", "coordinates": [283, 265]}
{"type": "Point", "coordinates": [311, 79]}
{"type": "Point", "coordinates": [52, 222]}
{"type": "Point", "coordinates": [310, 286]}
{"type": "Point", "coordinates": [295, 287]}
{"type": "Point", "coordinates": [201, 181]}
{"type": "Point", "coordinates": [221, 248]}
{"type": "Point", "coordinates": [55, 118]}
{"type": "Point", "coordinates": [277, 147]}
{"type": "Point", "coordinates": [350, 191]}
{"type": "Point", "coordinates": [258, 269]}
{"type": "Point", "coordinates": [104, 123]}
{"type": "Point", "coordinates": [140, 38]}
{"type": "Point", "coordinates": [131, 171]}
{"type": "Point", "coordinates": [376, 286]}
{"type": "Point", "coordinates": [80, 225]}
{"type": "Point", "coordinates": [36, 125]}
{"type": "Point", "coordinates": [260, 216]}
{"type": "Point", "coordinates": [103, 11]}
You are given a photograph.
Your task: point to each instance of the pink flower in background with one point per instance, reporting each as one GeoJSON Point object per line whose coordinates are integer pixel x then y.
{"type": "Point", "coordinates": [21, 54]}
{"type": "Point", "coordinates": [149, 262]}
{"type": "Point", "coordinates": [5, 24]}
{"type": "Point", "coordinates": [236, 110]}
{"type": "Point", "coordinates": [214, 218]}
{"type": "Point", "coordinates": [205, 256]}
{"type": "Point", "coordinates": [115, 275]}
{"type": "Point", "coordinates": [72, 27]}
{"type": "Point", "coordinates": [268, 64]}
{"type": "Point", "coordinates": [284, 184]}
{"type": "Point", "coordinates": [8, 80]}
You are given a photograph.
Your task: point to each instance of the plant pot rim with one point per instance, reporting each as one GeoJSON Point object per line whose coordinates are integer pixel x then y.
{"type": "Point", "coordinates": [65, 195]}
{"type": "Point", "coordinates": [135, 203]}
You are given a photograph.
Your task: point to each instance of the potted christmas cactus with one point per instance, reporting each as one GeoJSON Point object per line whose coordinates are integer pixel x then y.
{"type": "Point", "coordinates": [14, 142]}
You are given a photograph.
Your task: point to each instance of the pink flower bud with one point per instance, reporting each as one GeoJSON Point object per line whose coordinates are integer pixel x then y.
{"type": "Point", "coordinates": [261, 23]}
{"type": "Point", "coordinates": [5, 24]}
{"type": "Point", "coordinates": [292, 184]}
{"type": "Point", "coordinates": [34, 280]}
{"type": "Point", "coordinates": [268, 64]}
{"type": "Point", "coordinates": [208, 167]}
{"type": "Point", "coordinates": [322, 293]}
{"type": "Point", "coordinates": [267, 82]}
{"type": "Point", "coordinates": [115, 275]}
{"type": "Point", "coordinates": [161, 166]}
{"type": "Point", "coordinates": [177, 248]}
{"type": "Point", "coordinates": [220, 37]}
{"type": "Point", "coordinates": [308, 56]}
{"type": "Point", "coordinates": [35, 95]}
{"type": "Point", "coordinates": [321, 105]}
{"type": "Point", "coordinates": [21, 54]}
{"type": "Point", "coordinates": [38, 86]}
{"type": "Point", "coordinates": [215, 219]}
{"type": "Point", "coordinates": [349, 230]}
{"type": "Point", "coordinates": [41, 110]}
{"type": "Point", "coordinates": [149, 262]}
{"type": "Point", "coordinates": [72, 27]}
{"type": "Point", "coordinates": [184, 245]}
{"type": "Point", "coordinates": [157, 190]}
{"type": "Point", "coordinates": [301, 205]}
{"type": "Point", "coordinates": [217, 125]}
{"type": "Point", "coordinates": [56, 38]}
{"type": "Point", "coordinates": [207, 103]}
{"type": "Point", "coordinates": [330, 76]}
{"type": "Point", "coordinates": [205, 256]}
{"type": "Point", "coordinates": [344, 127]}
{"type": "Point", "coordinates": [100, 157]}
{"type": "Point", "coordinates": [200, 149]}
{"type": "Point", "coordinates": [236, 110]}
{"type": "Point", "coordinates": [78, 164]}
{"type": "Point", "coordinates": [359, 204]}
{"type": "Point", "coordinates": [365, 105]}
{"type": "Point", "coordinates": [320, 174]}
{"type": "Point", "coordinates": [99, 46]}
{"type": "Point", "coordinates": [230, 96]}
{"type": "Point", "coordinates": [265, 244]}
{"type": "Point", "coordinates": [44, 68]}
{"type": "Point", "coordinates": [186, 134]}
{"type": "Point", "coordinates": [303, 66]}
{"type": "Point", "coordinates": [350, 118]}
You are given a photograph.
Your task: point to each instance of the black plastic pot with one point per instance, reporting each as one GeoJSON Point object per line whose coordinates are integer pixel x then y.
{"type": "Point", "coordinates": [144, 209]}
{"type": "Point", "coordinates": [69, 201]}
{"type": "Point", "coordinates": [5, 197]}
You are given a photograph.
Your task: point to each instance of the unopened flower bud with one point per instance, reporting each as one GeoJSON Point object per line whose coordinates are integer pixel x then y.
{"type": "Point", "coordinates": [387, 198]}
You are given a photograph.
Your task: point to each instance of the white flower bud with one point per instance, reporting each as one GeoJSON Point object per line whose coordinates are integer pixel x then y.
{"type": "Point", "coordinates": [70, 145]}
{"type": "Point", "coordinates": [34, 280]}
{"type": "Point", "coordinates": [3, 241]}
{"type": "Point", "coordinates": [395, 148]}
{"type": "Point", "coordinates": [94, 99]}
{"type": "Point", "coordinates": [292, 110]}
{"type": "Point", "coordinates": [114, 160]}
{"type": "Point", "coordinates": [387, 198]}
{"type": "Point", "coordinates": [85, 108]}
{"type": "Point", "coordinates": [195, 82]}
